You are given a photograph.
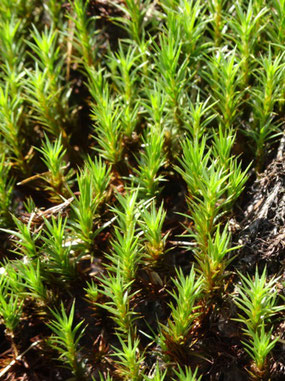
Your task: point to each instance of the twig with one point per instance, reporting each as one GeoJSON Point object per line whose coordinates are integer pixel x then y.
{"type": "Point", "coordinates": [253, 227]}
{"type": "Point", "coordinates": [281, 147]}
{"type": "Point", "coordinates": [18, 358]}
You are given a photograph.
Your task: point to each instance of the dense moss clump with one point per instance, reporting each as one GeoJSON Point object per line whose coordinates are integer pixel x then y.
{"type": "Point", "coordinates": [142, 190]}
